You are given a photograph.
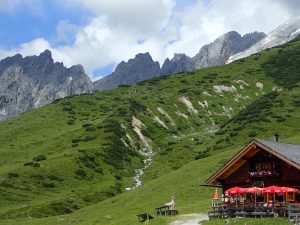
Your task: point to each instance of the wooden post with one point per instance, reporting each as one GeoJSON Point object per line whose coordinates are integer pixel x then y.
{"type": "Point", "coordinates": [147, 220]}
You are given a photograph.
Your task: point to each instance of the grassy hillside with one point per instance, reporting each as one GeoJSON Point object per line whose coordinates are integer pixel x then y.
{"type": "Point", "coordinates": [70, 162]}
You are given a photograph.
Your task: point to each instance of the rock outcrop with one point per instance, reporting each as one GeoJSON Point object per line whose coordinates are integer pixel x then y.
{"type": "Point", "coordinates": [281, 35]}
{"type": "Point", "coordinates": [219, 51]}
{"type": "Point", "coordinates": [34, 81]}
{"type": "Point", "coordinates": [142, 67]}
{"type": "Point", "coordinates": [179, 63]}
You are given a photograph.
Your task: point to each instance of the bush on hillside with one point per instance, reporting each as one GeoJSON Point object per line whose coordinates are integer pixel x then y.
{"type": "Point", "coordinates": [81, 173]}
{"type": "Point", "coordinates": [12, 175]}
{"type": "Point", "coordinates": [39, 158]}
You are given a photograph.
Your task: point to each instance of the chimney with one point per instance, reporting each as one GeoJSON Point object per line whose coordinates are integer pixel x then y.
{"type": "Point", "coordinates": [276, 137]}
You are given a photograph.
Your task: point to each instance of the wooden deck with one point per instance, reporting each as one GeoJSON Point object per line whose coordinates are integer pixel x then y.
{"type": "Point", "coordinates": [249, 210]}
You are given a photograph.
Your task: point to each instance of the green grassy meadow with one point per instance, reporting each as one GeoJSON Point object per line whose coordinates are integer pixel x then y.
{"type": "Point", "coordinates": [69, 162]}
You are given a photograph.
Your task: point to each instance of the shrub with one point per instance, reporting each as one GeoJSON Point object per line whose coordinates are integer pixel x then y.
{"type": "Point", "coordinates": [76, 140]}
{"type": "Point", "coordinates": [252, 134]}
{"type": "Point", "coordinates": [12, 175]}
{"type": "Point", "coordinates": [33, 164]}
{"type": "Point", "coordinates": [74, 145]}
{"type": "Point", "coordinates": [86, 125]}
{"type": "Point", "coordinates": [71, 122]}
{"type": "Point", "coordinates": [39, 158]}
{"type": "Point", "coordinates": [54, 177]}
{"type": "Point", "coordinates": [48, 185]}
{"type": "Point", "coordinates": [88, 138]}
{"type": "Point", "coordinates": [80, 173]}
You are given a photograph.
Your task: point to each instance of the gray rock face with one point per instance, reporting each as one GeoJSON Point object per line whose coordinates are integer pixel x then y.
{"type": "Point", "coordinates": [30, 82]}
{"type": "Point", "coordinates": [142, 67]}
{"type": "Point", "coordinates": [213, 54]}
{"type": "Point", "coordinates": [179, 63]}
{"type": "Point", "coordinates": [219, 51]}
{"type": "Point", "coordinates": [281, 35]}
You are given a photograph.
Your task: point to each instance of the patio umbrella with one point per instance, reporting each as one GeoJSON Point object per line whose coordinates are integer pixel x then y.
{"type": "Point", "coordinates": [289, 189]}
{"type": "Point", "coordinates": [252, 190]}
{"type": "Point", "coordinates": [235, 191]}
{"type": "Point", "coordinates": [273, 190]}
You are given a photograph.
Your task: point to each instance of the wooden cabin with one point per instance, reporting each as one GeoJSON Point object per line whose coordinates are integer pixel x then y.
{"type": "Point", "coordinates": [261, 163]}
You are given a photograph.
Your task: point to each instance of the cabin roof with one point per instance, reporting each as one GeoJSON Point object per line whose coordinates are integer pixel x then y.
{"type": "Point", "coordinates": [290, 153]}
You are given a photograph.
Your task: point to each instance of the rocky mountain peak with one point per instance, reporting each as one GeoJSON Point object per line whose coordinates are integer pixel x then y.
{"type": "Point", "coordinates": [46, 54]}
{"type": "Point", "coordinates": [33, 81]}
{"type": "Point", "coordinates": [179, 63]}
{"type": "Point", "coordinates": [282, 34]}
{"type": "Point", "coordinates": [141, 67]}
{"type": "Point", "coordinates": [219, 51]}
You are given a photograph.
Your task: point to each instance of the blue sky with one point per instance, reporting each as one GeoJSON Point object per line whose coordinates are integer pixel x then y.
{"type": "Point", "coordinates": [24, 24]}
{"type": "Point", "coordinates": [99, 34]}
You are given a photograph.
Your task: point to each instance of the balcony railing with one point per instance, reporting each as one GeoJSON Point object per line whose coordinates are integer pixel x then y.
{"type": "Point", "coordinates": [263, 173]}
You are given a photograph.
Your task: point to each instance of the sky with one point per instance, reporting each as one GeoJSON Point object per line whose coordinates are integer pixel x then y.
{"type": "Point", "coordinates": [101, 33]}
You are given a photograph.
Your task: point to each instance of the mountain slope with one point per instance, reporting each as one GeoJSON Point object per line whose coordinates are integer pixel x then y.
{"type": "Point", "coordinates": [101, 139]}
{"type": "Point", "coordinates": [31, 82]}
{"type": "Point", "coordinates": [219, 51]}
{"type": "Point", "coordinates": [142, 67]}
{"type": "Point", "coordinates": [281, 35]}
{"type": "Point", "coordinates": [184, 182]}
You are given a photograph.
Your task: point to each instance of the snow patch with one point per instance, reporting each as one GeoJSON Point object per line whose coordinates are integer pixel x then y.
{"type": "Point", "coordinates": [130, 140]}
{"type": "Point", "coordinates": [137, 124]}
{"type": "Point", "coordinates": [259, 85]}
{"type": "Point", "coordinates": [182, 114]}
{"type": "Point", "coordinates": [3, 112]}
{"type": "Point", "coordinates": [162, 123]}
{"type": "Point", "coordinates": [206, 93]}
{"type": "Point", "coordinates": [158, 120]}
{"type": "Point", "coordinates": [227, 111]}
{"type": "Point", "coordinates": [220, 89]}
{"type": "Point", "coordinates": [163, 112]}
{"type": "Point", "coordinates": [188, 104]}
{"type": "Point", "coordinates": [204, 104]}
{"type": "Point", "coordinates": [124, 142]}
{"type": "Point", "coordinates": [239, 96]}
{"type": "Point", "coordinates": [241, 82]}
{"type": "Point", "coordinates": [296, 32]}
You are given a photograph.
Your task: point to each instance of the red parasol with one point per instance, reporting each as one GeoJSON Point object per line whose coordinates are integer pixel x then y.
{"type": "Point", "coordinates": [273, 190]}
{"type": "Point", "coordinates": [289, 189]}
{"type": "Point", "coordinates": [252, 190]}
{"type": "Point", "coordinates": [216, 196]}
{"type": "Point", "coordinates": [235, 191]}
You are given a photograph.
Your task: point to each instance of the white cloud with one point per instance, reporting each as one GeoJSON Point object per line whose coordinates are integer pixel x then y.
{"type": "Point", "coordinates": [120, 29]}
{"type": "Point", "coordinates": [141, 15]}
{"type": "Point", "coordinates": [202, 23]}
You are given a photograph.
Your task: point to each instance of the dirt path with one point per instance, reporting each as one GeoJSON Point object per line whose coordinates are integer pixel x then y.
{"type": "Point", "coordinates": [190, 219]}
